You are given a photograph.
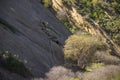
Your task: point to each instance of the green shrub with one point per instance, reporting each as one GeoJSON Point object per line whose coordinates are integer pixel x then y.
{"type": "Point", "coordinates": [79, 49]}
{"type": "Point", "coordinates": [116, 6]}
{"type": "Point", "coordinates": [67, 23]}
{"type": "Point", "coordinates": [116, 38]}
{"type": "Point", "coordinates": [46, 3]}
{"type": "Point", "coordinates": [10, 62]}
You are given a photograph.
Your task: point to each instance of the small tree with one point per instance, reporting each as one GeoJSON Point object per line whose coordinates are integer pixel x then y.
{"type": "Point", "coordinates": [79, 49]}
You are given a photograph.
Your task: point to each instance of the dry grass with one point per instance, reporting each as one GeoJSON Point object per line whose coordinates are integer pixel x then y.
{"type": "Point", "coordinates": [60, 73]}
{"type": "Point", "coordinates": [110, 72]}
{"type": "Point", "coordinates": [107, 58]}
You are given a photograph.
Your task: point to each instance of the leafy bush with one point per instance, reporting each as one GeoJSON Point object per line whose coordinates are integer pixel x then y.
{"type": "Point", "coordinates": [116, 6]}
{"type": "Point", "coordinates": [11, 63]}
{"type": "Point", "coordinates": [79, 49]}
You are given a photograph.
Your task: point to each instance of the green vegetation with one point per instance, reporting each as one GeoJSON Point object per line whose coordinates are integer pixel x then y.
{"type": "Point", "coordinates": [117, 78]}
{"type": "Point", "coordinates": [69, 25]}
{"type": "Point", "coordinates": [104, 12]}
{"type": "Point", "coordinates": [116, 6]}
{"type": "Point", "coordinates": [79, 49]}
{"type": "Point", "coordinates": [100, 11]}
{"type": "Point", "coordinates": [46, 3]}
{"type": "Point", "coordinates": [75, 79]}
{"type": "Point", "coordinates": [87, 52]}
{"type": "Point", "coordinates": [10, 62]}
{"type": "Point", "coordinates": [69, 2]}
{"type": "Point", "coordinates": [94, 66]}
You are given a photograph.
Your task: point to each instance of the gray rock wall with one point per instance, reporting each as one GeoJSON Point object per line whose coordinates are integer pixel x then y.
{"type": "Point", "coordinates": [30, 31]}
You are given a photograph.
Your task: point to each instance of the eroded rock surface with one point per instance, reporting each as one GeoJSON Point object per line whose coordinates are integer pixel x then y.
{"type": "Point", "coordinates": [23, 32]}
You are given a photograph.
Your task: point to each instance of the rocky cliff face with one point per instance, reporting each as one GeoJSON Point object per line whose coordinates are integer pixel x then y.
{"type": "Point", "coordinates": [30, 31]}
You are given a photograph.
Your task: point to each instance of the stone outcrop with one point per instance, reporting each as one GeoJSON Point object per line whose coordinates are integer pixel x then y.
{"type": "Point", "coordinates": [30, 31]}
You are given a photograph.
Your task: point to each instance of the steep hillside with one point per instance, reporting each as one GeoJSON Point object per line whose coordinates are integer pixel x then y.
{"type": "Point", "coordinates": [97, 17]}
{"type": "Point", "coordinates": [31, 32]}
{"type": "Point", "coordinates": [93, 51]}
{"type": "Point", "coordinates": [35, 45]}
